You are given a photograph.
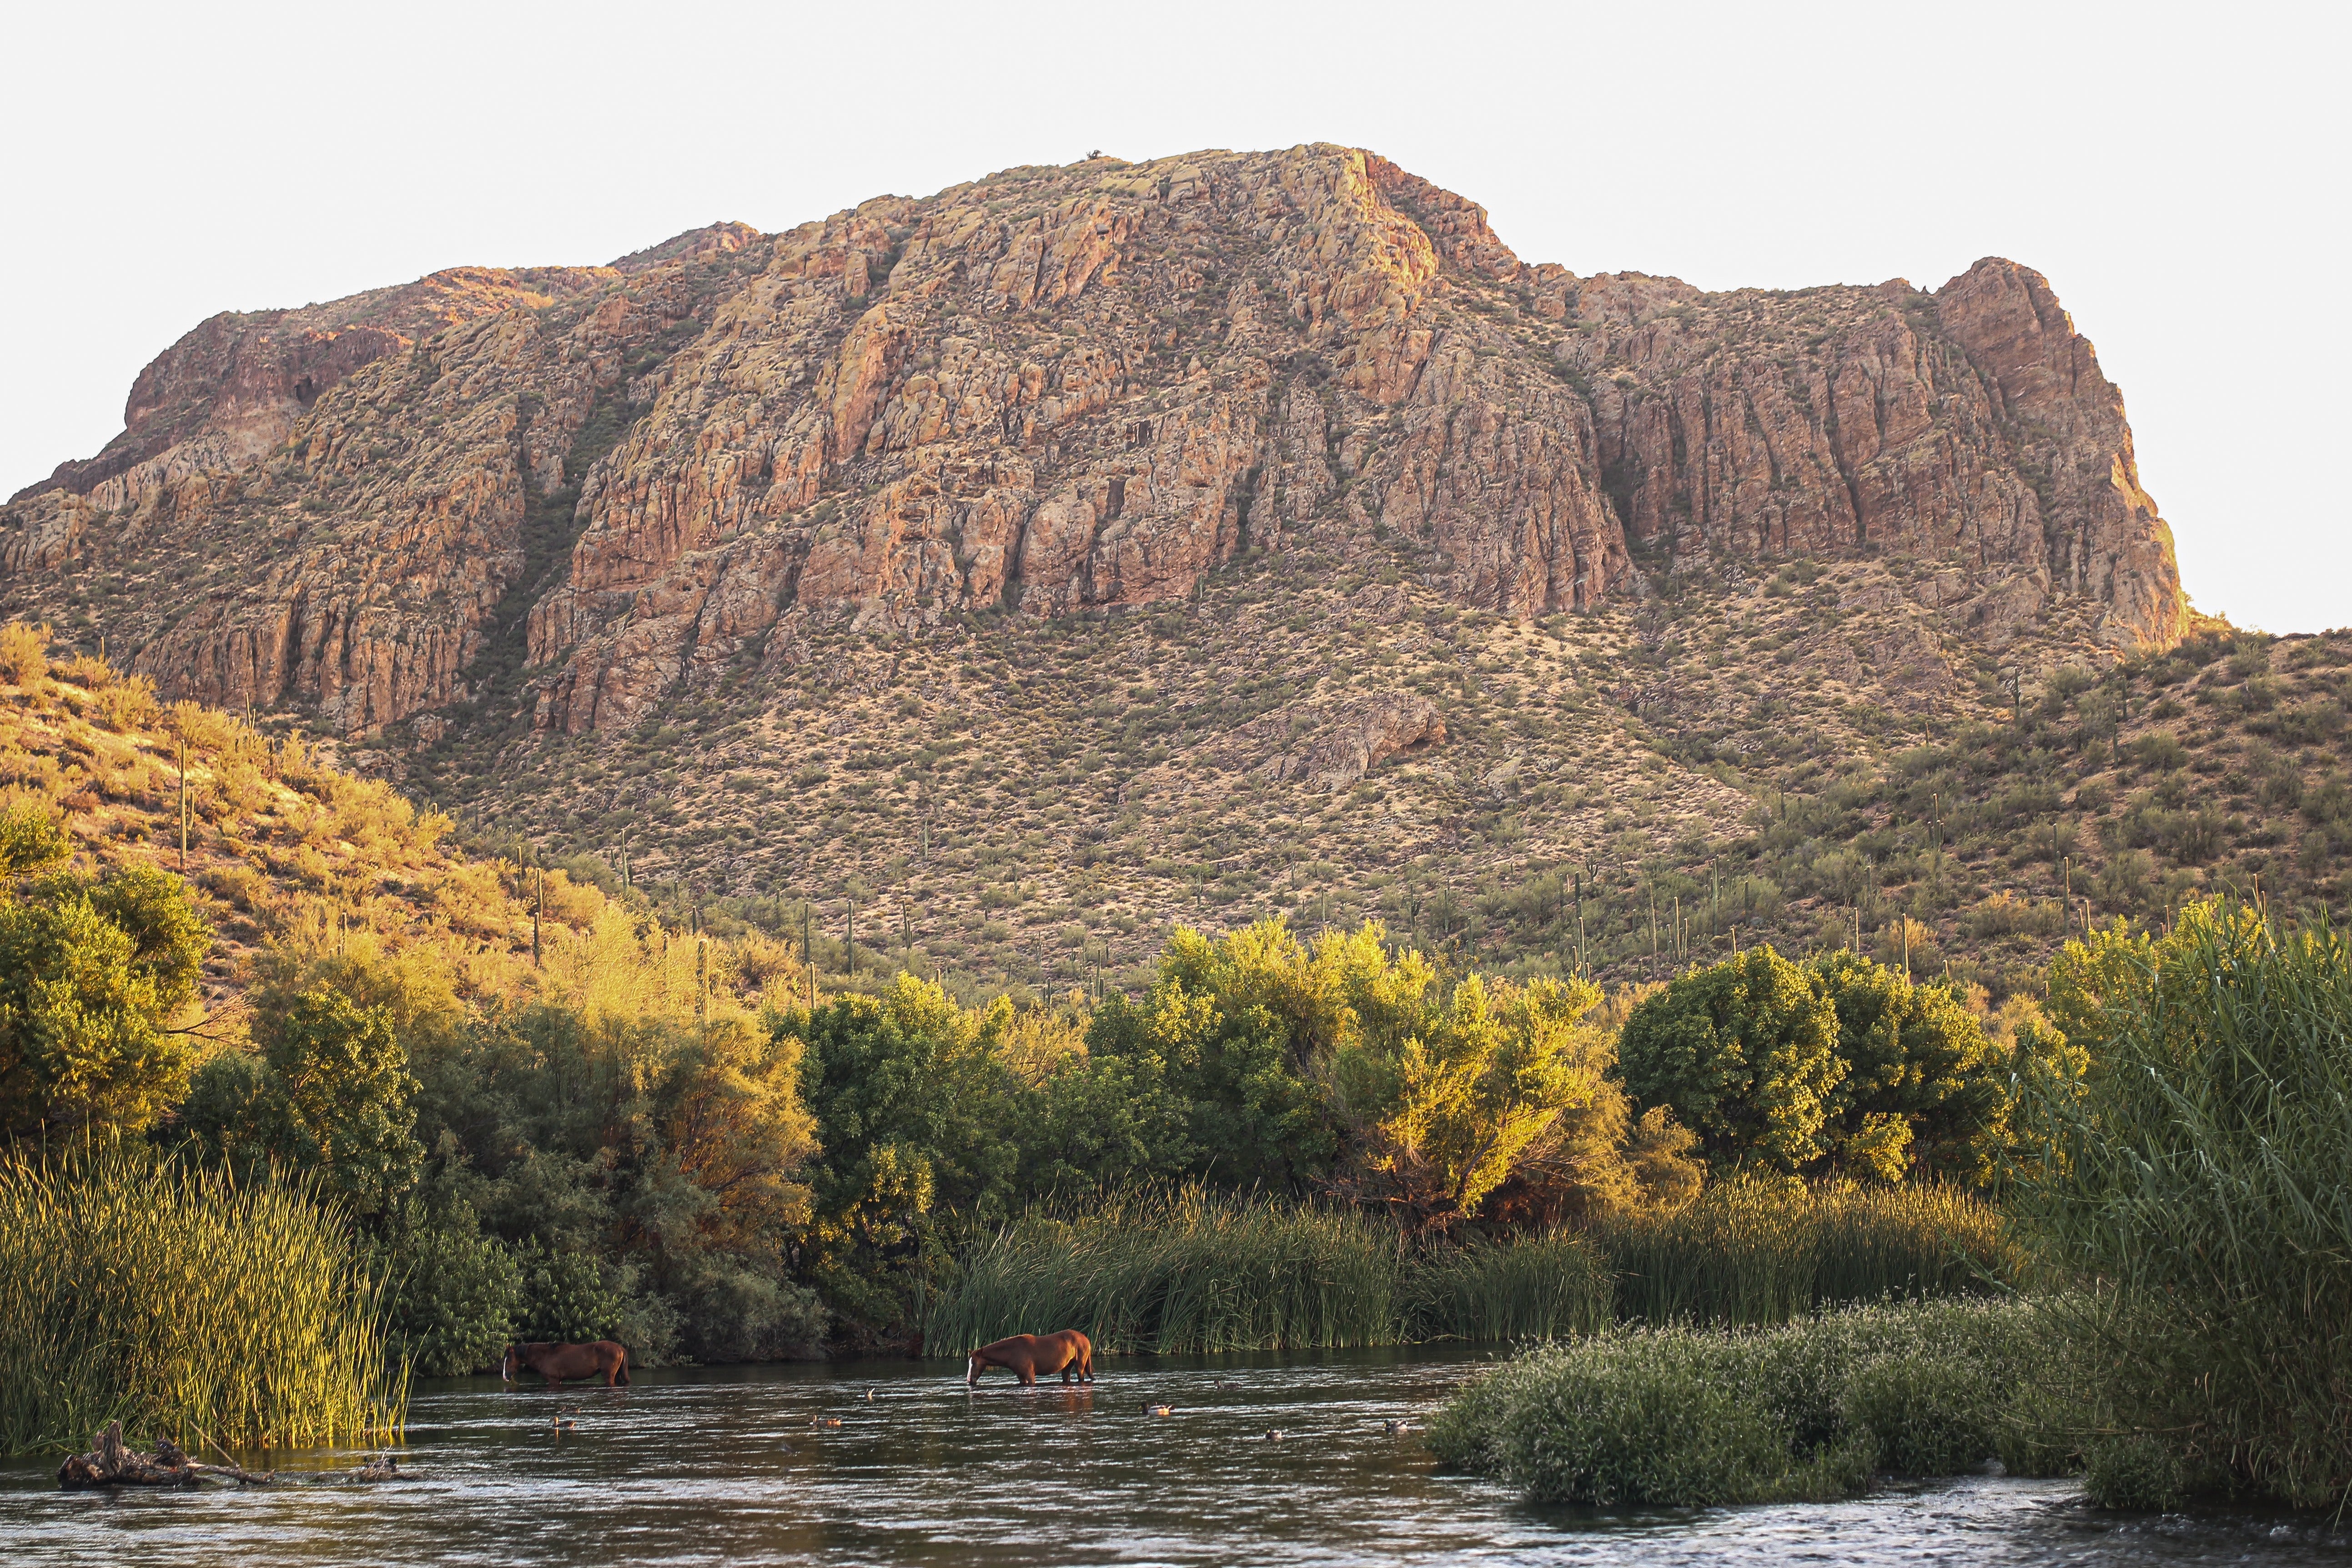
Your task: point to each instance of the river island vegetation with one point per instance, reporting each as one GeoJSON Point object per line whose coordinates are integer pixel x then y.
{"type": "Point", "coordinates": [490, 1098]}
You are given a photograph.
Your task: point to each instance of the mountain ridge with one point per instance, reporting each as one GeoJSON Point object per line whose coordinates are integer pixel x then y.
{"type": "Point", "coordinates": [1084, 546]}
{"type": "Point", "coordinates": [1650, 426]}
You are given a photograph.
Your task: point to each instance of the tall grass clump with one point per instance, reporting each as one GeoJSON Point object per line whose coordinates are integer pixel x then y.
{"type": "Point", "coordinates": [2200, 1175]}
{"type": "Point", "coordinates": [186, 1306]}
{"type": "Point", "coordinates": [1754, 1251]}
{"type": "Point", "coordinates": [1180, 1269]}
{"type": "Point", "coordinates": [1686, 1416]}
{"type": "Point", "coordinates": [1539, 1288]}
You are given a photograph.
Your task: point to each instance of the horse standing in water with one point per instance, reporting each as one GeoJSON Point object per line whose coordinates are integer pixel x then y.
{"type": "Point", "coordinates": [1069, 1353]}
{"type": "Point", "coordinates": [560, 1364]}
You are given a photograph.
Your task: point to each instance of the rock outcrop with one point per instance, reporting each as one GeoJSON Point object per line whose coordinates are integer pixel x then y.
{"type": "Point", "coordinates": [1053, 391]}
{"type": "Point", "coordinates": [1972, 423]}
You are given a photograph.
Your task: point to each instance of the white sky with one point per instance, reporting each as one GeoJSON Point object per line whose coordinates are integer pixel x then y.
{"type": "Point", "coordinates": [2179, 173]}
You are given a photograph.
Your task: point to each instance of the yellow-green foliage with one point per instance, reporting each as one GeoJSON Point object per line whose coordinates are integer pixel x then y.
{"type": "Point", "coordinates": [92, 973]}
{"type": "Point", "coordinates": [1447, 1090]}
{"type": "Point", "coordinates": [1473, 1087]}
{"type": "Point", "coordinates": [184, 1306]}
{"type": "Point", "coordinates": [24, 653]}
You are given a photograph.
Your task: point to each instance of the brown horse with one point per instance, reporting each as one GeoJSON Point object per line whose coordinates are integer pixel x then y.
{"type": "Point", "coordinates": [1068, 1352]}
{"type": "Point", "coordinates": [560, 1364]}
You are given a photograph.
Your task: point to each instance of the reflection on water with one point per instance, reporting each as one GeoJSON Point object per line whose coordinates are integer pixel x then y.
{"type": "Point", "coordinates": [726, 1466]}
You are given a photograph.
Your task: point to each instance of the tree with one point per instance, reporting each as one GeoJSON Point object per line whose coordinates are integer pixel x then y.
{"type": "Point", "coordinates": [1241, 1030]}
{"type": "Point", "coordinates": [340, 1099]}
{"type": "Point", "coordinates": [1745, 1055]}
{"type": "Point", "coordinates": [1449, 1101]}
{"type": "Point", "coordinates": [1099, 1121]}
{"type": "Point", "coordinates": [1835, 1063]}
{"type": "Point", "coordinates": [1923, 1084]}
{"type": "Point", "coordinates": [92, 972]}
{"type": "Point", "coordinates": [911, 1111]}
{"type": "Point", "coordinates": [455, 1293]}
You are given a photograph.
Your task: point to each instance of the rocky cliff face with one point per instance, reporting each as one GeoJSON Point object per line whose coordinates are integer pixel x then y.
{"type": "Point", "coordinates": [1971, 425]}
{"type": "Point", "coordinates": [1054, 390]}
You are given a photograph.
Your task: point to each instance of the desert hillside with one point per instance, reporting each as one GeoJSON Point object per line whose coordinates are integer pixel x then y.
{"type": "Point", "coordinates": [1013, 570]}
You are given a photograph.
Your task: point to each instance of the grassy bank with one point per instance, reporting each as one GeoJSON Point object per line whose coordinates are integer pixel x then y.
{"type": "Point", "coordinates": [134, 1290]}
{"type": "Point", "coordinates": [1813, 1409]}
{"type": "Point", "coordinates": [1186, 1269]}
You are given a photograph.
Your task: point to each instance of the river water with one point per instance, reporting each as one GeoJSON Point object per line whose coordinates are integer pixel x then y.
{"type": "Point", "coordinates": [743, 1466]}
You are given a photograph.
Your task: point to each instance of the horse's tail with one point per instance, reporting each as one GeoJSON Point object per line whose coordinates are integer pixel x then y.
{"type": "Point", "coordinates": [621, 1376]}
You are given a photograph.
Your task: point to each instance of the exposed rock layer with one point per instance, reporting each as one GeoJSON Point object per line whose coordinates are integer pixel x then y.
{"type": "Point", "coordinates": [1054, 390]}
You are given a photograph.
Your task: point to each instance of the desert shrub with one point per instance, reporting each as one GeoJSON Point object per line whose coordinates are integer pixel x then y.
{"type": "Point", "coordinates": [2004, 914]}
{"type": "Point", "coordinates": [128, 705]}
{"type": "Point", "coordinates": [24, 653]}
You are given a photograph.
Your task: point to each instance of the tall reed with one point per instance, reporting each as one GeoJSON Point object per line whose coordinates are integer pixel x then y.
{"type": "Point", "coordinates": [1540, 1288]}
{"type": "Point", "coordinates": [1755, 1252]}
{"type": "Point", "coordinates": [2202, 1174]}
{"type": "Point", "coordinates": [1185, 1268]}
{"type": "Point", "coordinates": [1180, 1269]}
{"type": "Point", "coordinates": [186, 1306]}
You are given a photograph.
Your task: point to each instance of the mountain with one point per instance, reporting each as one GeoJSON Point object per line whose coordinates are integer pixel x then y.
{"type": "Point", "coordinates": [1081, 546]}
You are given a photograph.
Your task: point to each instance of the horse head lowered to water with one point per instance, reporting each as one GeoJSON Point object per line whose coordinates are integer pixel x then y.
{"type": "Point", "coordinates": [560, 1364]}
{"type": "Point", "coordinates": [1069, 1353]}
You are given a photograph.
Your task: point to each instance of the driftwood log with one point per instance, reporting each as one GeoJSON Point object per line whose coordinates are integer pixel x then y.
{"type": "Point", "coordinates": [114, 1463]}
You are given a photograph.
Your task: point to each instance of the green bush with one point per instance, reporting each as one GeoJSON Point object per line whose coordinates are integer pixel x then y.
{"type": "Point", "coordinates": [565, 1296]}
{"type": "Point", "coordinates": [93, 972]}
{"type": "Point", "coordinates": [1836, 1063]}
{"type": "Point", "coordinates": [1687, 1417]}
{"type": "Point", "coordinates": [455, 1293]}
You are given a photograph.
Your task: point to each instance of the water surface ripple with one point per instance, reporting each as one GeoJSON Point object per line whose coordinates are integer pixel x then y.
{"type": "Point", "coordinates": [724, 1465]}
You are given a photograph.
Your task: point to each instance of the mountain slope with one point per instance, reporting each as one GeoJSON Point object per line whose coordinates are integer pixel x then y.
{"type": "Point", "coordinates": [1089, 545]}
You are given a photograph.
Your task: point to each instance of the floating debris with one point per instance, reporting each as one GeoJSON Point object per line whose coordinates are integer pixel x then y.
{"type": "Point", "coordinates": [111, 1462]}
